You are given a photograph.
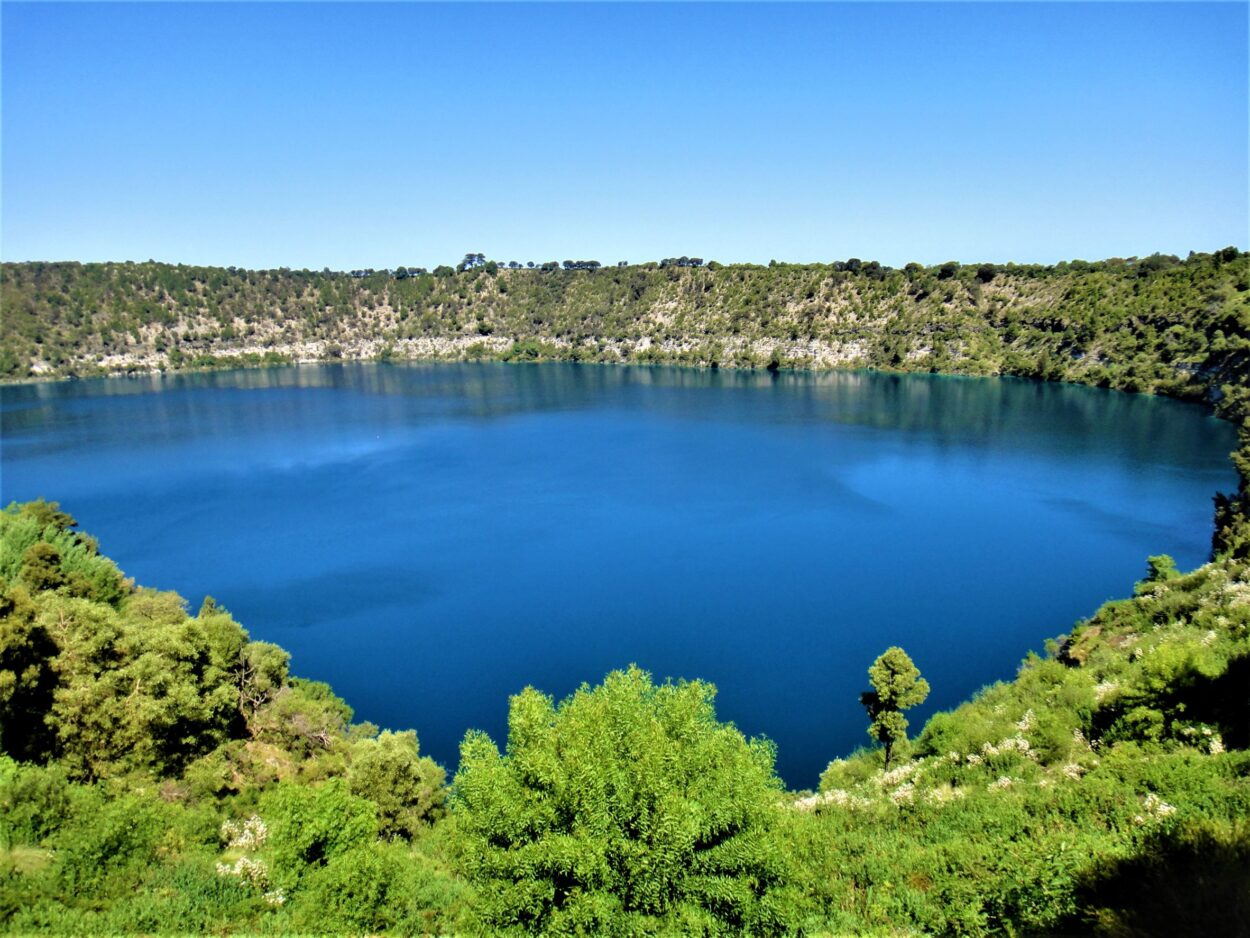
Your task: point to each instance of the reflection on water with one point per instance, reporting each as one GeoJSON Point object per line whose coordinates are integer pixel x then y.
{"type": "Point", "coordinates": [431, 537]}
{"type": "Point", "coordinates": [1003, 412]}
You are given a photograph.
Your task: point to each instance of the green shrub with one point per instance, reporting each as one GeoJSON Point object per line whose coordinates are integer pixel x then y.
{"type": "Point", "coordinates": [407, 788]}
{"type": "Point", "coordinates": [627, 806]}
{"type": "Point", "coordinates": [105, 842]}
{"type": "Point", "coordinates": [310, 825]}
{"type": "Point", "coordinates": [34, 802]}
{"type": "Point", "coordinates": [360, 890]}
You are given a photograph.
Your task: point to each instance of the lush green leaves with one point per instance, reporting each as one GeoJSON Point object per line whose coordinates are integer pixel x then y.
{"type": "Point", "coordinates": [626, 807]}
{"type": "Point", "coordinates": [311, 825]}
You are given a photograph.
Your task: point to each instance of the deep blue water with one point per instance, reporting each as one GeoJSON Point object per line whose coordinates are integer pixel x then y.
{"type": "Point", "coordinates": [431, 538]}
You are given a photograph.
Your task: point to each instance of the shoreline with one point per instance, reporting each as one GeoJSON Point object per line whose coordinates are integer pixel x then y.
{"type": "Point", "coordinates": [238, 362]}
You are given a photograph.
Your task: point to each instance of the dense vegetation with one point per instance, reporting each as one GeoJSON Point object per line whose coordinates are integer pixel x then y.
{"type": "Point", "coordinates": [1151, 324]}
{"type": "Point", "coordinates": [164, 773]}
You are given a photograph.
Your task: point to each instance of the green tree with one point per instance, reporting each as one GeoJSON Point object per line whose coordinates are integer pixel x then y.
{"type": "Point", "coordinates": [260, 674]}
{"type": "Point", "coordinates": [406, 787]}
{"type": "Point", "coordinates": [1159, 568]}
{"type": "Point", "coordinates": [27, 680]}
{"type": "Point", "coordinates": [303, 717]}
{"type": "Point", "coordinates": [41, 567]}
{"type": "Point", "coordinates": [896, 686]}
{"type": "Point", "coordinates": [136, 688]}
{"type": "Point", "coordinates": [627, 809]}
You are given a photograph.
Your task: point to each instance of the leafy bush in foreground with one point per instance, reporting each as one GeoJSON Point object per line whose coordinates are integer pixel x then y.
{"type": "Point", "coordinates": [628, 808]}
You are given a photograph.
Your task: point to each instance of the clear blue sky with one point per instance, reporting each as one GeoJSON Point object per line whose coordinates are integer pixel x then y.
{"type": "Point", "coordinates": [376, 135]}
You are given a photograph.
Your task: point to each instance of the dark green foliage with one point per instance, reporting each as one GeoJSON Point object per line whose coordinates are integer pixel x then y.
{"type": "Point", "coordinates": [27, 679]}
{"type": "Point", "coordinates": [358, 891]}
{"type": "Point", "coordinates": [135, 688]}
{"type": "Point", "coordinates": [1166, 887]}
{"type": "Point", "coordinates": [34, 802]}
{"type": "Point", "coordinates": [40, 550]}
{"type": "Point", "coordinates": [41, 567]}
{"type": "Point", "coordinates": [100, 849]}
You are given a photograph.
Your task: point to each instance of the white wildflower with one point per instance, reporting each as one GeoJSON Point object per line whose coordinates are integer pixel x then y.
{"type": "Point", "coordinates": [1105, 689]}
{"type": "Point", "coordinates": [1026, 722]}
{"type": "Point", "coordinates": [812, 801]}
{"type": "Point", "coordinates": [974, 759]}
{"type": "Point", "coordinates": [245, 835]}
{"type": "Point", "coordinates": [1010, 744]}
{"type": "Point", "coordinates": [1209, 638]}
{"type": "Point", "coordinates": [944, 794]}
{"type": "Point", "coordinates": [1238, 594]}
{"type": "Point", "coordinates": [836, 796]}
{"type": "Point", "coordinates": [1018, 743]}
{"type": "Point", "coordinates": [1156, 807]}
{"type": "Point", "coordinates": [251, 871]}
{"type": "Point", "coordinates": [903, 794]}
{"type": "Point", "coordinates": [1217, 745]}
{"type": "Point", "coordinates": [275, 897]}
{"type": "Point", "coordinates": [999, 784]}
{"type": "Point", "coordinates": [897, 775]}
{"type": "Point", "coordinates": [1074, 770]}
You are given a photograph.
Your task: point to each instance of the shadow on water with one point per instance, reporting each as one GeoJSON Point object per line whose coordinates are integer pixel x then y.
{"type": "Point", "coordinates": [333, 595]}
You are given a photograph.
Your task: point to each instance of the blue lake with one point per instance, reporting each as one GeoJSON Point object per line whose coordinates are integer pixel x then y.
{"type": "Point", "coordinates": [431, 538]}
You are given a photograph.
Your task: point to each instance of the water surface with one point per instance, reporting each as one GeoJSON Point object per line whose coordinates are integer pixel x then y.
{"type": "Point", "coordinates": [430, 538]}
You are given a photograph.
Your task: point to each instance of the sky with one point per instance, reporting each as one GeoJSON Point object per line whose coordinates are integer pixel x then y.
{"type": "Point", "coordinates": [375, 135]}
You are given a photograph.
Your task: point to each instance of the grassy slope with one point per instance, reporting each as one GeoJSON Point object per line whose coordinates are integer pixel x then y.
{"type": "Point", "coordinates": [1109, 783]}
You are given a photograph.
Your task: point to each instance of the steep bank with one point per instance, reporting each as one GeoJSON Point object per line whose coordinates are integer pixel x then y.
{"type": "Point", "coordinates": [1154, 324]}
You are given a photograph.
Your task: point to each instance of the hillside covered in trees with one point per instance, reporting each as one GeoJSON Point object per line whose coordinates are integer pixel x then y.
{"type": "Point", "coordinates": [1156, 323]}
{"type": "Point", "coordinates": [163, 773]}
